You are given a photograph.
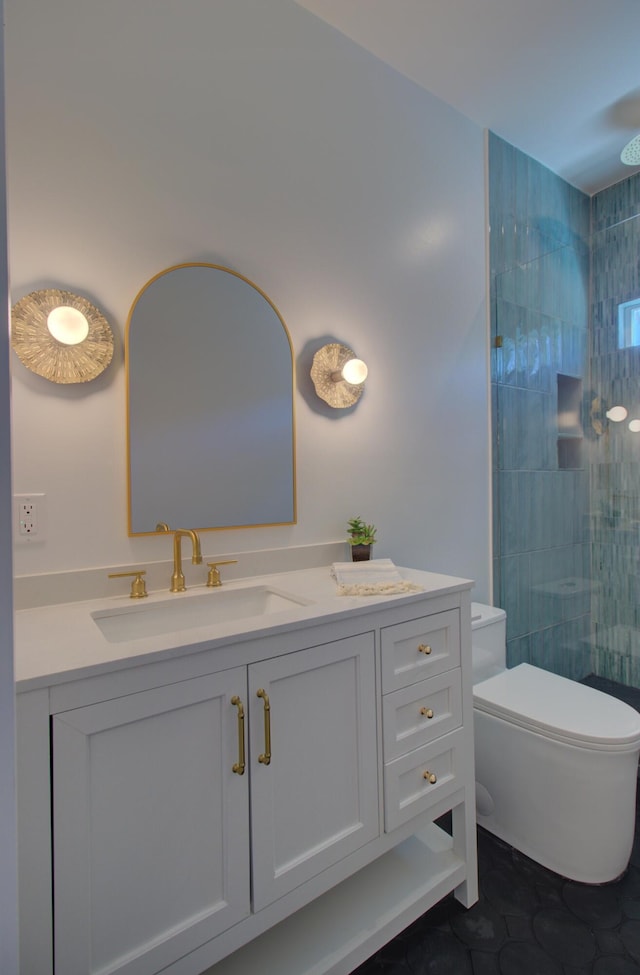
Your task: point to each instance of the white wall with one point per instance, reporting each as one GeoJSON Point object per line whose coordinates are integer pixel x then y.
{"type": "Point", "coordinates": [251, 134]}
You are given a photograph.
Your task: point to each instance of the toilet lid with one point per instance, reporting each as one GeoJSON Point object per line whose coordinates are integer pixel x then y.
{"type": "Point", "coordinates": [559, 708]}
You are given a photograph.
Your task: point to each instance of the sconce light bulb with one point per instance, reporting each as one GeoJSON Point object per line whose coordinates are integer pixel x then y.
{"type": "Point", "coordinates": [634, 426]}
{"type": "Point", "coordinates": [617, 414]}
{"type": "Point", "coordinates": [355, 372]}
{"type": "Point", "coordinates": [68, 325]}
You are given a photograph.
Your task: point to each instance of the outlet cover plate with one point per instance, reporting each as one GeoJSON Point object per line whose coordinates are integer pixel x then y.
{"type": "Point", "coordinates": [29, 510]}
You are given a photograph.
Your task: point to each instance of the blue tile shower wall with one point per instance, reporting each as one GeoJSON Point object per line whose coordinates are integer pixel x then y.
{"type": "Point", "coordinates": [539, 252]}
{"type": "Point", "coordinates": [615, 454]}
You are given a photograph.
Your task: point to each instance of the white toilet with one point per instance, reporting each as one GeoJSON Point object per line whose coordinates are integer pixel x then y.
{"type": "Point", "coordinates": [556, 761]}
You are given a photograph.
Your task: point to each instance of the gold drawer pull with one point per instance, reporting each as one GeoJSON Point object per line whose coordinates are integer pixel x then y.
{"type": "Point", "coordinates": [238, 767]}
{"type": "Point", "coordinates": [431, 777]}
{"type": "Point", "coordinates": [426, 712]}
{"type": "Point", "coordinates": [265, 758]}
{"type": "Point", "coordinates": [424, 648]}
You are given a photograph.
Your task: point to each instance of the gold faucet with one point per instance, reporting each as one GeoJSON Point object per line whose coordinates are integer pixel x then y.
{"type": "Point", "coordinates": [177, 579]}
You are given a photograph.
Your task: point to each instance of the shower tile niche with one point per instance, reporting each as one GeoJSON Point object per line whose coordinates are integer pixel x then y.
{"type": "Point", "coordinates": [569, 419]}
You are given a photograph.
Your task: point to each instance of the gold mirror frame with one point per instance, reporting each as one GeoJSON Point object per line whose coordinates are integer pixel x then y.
{"type": "Point", "coordinates": [210, 404]}
{"type": "Point", "coordinates": [43, 354]}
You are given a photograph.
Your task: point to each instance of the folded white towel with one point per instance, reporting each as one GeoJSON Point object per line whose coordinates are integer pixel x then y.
{"type": "Point", "coordinates": [375, 570]}
{"type": "Point", "coordinates": [377, 577]}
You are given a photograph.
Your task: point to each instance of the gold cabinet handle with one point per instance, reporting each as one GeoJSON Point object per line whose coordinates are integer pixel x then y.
{"type": "Point", "coordinates": [424, 648]}
{"type": "Point", "coordinates": [431, 777]}
{"type": "Point", "coordinates": [239, 766]}
{"type": "Point", "coordinates": [265, 758]}
{"type": "Point", "coordinates": [426, 712]}
{"type": "Point", "coordinates": [138, 588]}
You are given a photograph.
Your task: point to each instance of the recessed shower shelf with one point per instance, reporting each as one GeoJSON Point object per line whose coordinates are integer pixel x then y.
{"type": "Point", "coordinates": [570, 433]}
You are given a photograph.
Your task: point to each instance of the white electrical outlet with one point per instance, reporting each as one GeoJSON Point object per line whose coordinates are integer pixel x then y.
{"type": "Point", "coordinates": [29, 518]}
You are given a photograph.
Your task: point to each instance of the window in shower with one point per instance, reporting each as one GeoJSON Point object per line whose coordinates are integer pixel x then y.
{"type": "Point", "coordinates": [629, 324]}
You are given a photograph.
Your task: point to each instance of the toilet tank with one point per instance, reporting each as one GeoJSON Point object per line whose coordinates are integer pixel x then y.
{"type": "Point", "coordinates": [488, 641]}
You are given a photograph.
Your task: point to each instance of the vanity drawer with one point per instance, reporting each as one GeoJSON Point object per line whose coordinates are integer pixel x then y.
{"type": "Point", "coordinates": [415, 715]}
{"type": "Point", "coordinates": [420, 648]}
{"type": "Point", "coordinates": [409, 786]}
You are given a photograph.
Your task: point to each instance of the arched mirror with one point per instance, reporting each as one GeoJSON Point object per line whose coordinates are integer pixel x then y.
{"type": "Point", "coordinates": [210, 404]}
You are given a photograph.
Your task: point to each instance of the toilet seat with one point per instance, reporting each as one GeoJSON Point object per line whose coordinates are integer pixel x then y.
{"type": "Point", "coordinates": [559, 708]}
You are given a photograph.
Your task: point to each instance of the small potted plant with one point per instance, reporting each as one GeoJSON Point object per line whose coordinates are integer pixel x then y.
{"type": "Point", "coordinates": [361, 538]}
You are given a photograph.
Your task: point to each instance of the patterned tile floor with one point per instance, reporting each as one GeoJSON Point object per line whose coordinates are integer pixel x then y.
{"type": "Point", "coordinates": [528, 920]}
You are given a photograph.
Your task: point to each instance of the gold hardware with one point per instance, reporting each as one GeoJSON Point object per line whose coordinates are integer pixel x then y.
{"type": "Point", "coordinates": [238, 767]}
{"type": "Point", "coordinates": [138, 588]}
{"type": "Point", "coordinates": [424, 648]}
{"type": "Point", "coordinates": [265, 758]}
{"type": "Point", "coordinates": [431, 777]}
{"type": "Point", "coordinates": [426, 712]}
{"type": "Point", "coordinates": [213, 578]}
{"type": "Point", "coordinates": [498, 342]}
{"type": "Point", "coordinates": [177, 579]}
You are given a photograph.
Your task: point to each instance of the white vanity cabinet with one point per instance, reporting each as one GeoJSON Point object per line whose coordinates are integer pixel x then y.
{"type": "Point", "coordinates": [151, 794]}
{"type": "Point", "coordinates": [248, 806]}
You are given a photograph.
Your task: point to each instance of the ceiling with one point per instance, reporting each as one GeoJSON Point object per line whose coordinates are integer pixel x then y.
{"type": "Point", "coordinates": [559, 79]}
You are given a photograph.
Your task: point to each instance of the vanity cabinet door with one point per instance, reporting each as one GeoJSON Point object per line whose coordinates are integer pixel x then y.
{"type": "Point", "coordinates": [316, 801]}
{"type": "Point", "coordinates": [150, 826]}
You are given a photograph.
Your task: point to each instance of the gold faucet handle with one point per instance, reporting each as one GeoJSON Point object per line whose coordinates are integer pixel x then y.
{"type": "Point", "coordinates": [213, 579]}
{"type": "Point", "coordinates": [138, 587]}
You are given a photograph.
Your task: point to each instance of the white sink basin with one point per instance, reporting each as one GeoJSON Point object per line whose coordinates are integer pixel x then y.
{"type": "Point", "coordinates": [186, 612]}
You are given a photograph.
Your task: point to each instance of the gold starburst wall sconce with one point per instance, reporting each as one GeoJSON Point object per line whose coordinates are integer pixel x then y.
{"type": "Point", "coordinates": [338, 375]}
{"type": "Point", "coordinates": [61, 336]}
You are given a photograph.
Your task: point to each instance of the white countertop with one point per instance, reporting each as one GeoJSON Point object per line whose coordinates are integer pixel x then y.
{"type": "Point", "coordinates": [63, 642]}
